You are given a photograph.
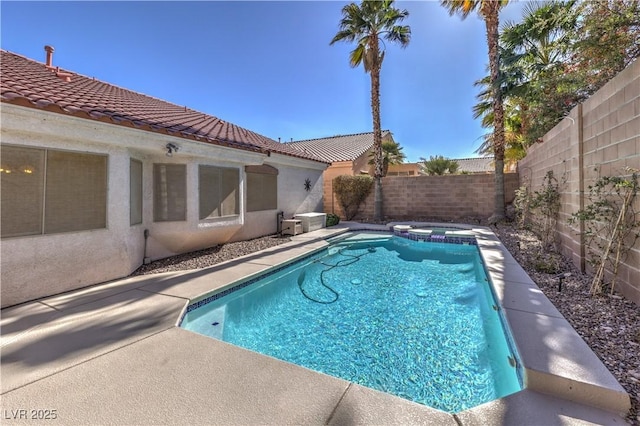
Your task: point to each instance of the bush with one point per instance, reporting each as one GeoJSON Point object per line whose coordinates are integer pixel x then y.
{"type": "Point", "coordinates": [332, 219]}
{"type": "Point", "coordinates": [351, 191]}
{"type": "Point", "coordinates": [438, 165]}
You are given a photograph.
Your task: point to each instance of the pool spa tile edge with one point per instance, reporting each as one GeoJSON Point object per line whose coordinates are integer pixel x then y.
{"type": "Point", "coordinates": [270, 267]}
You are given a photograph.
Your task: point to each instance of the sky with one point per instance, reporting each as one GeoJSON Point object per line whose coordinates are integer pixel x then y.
{"type": "Point", "coordinates": [267, 66]}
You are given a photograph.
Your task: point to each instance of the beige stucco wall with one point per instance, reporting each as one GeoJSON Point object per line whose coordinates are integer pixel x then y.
{"type": "Point", "coordinates": [599, 138]}
{"type": "Point", "coordinates": [336, 169]}
{"type": "Point", "coordinates": [41, 265]}
{"type": "Point", "coordinates": [412, 168]}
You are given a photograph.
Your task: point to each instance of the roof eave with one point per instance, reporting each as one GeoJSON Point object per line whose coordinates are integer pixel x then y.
{"type": "Point", "coordinates": [54, 108]}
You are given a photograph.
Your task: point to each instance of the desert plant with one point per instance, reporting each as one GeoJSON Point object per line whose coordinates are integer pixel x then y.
{"type": "Point", "coordinates": [546, 262]}
{"type": "Point", "coordinates": [611, 224]}
{"type": "Point", "coordinates": [391, 154]}
{"type": "Point", "coordinates": [438, 165]}
{"type": "Point", "coordinates": [351, 191]}
{"type": "Point", "coordinates": [522, 206]}
{"type": "Point", "coordinates": [332, 219]}
{"type": "Point", "coordinates": [369, 24]}
{"type": "Point", "coordinates": [545, 206]}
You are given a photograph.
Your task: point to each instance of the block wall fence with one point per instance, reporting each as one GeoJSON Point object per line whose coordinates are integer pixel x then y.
{"type": "Point", "coordinates": [446, 198]}
{"type": "Point", "coordinates": [598, 138]}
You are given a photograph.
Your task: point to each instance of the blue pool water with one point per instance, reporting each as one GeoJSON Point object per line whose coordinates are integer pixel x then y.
{"type": "Point", "coordinates": [413, 319]}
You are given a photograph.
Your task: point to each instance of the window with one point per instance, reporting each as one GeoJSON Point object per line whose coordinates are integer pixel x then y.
{"type": "Point", "coordinates": [262, 188]}
{"type": "Point", "coordinates": [46, 191]}
{"type": "Point", "coordinates": [169, 192]}
{"type": "Point", "coordinates": [219, 193]}
{"type": "Point", "coordinates": [135, 192]}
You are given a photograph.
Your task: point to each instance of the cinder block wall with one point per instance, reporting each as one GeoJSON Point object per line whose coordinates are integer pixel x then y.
{"type": "Point", "coordinates": [446, 198]}
{"type": "Point", "coordinates": [599, 138]}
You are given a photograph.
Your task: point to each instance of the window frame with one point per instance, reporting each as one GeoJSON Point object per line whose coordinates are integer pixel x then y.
{"type": "Point", "coordinates": [138, 203]}
{"type": "Point", "coordinates": [49, 222]}
{"type": "Point", "coordinates": [174, 208]}
{"type": "Point", "coordinates": [224, 197]}
{"type": "Point", "coordinates": [267, 177]}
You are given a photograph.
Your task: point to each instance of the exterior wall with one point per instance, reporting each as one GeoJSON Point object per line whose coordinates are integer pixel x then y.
{"type": "Point", "coordinates": [361, 164]}
{"type": "Point", "coordinates": [336, 169]}
{"type": "Point", "coordinates": [446, 198]}
{"type": "Point", "coordinates": [411, 168]}
{"type": "Point", "coordinates": [293, 198]}
{"type": "Point", "coordinates": [599, 138]}
{"type": "Point", "coordinates": [41, 265]}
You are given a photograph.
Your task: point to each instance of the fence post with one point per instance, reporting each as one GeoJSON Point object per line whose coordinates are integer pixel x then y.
{"type": "Point", "coordinates": [581, 186]}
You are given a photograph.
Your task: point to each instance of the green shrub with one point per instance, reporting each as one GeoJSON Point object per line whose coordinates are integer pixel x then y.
{"type": "Point", "coordinates": [332, 219]}
{"type": "Point", "coordinates": [351, 191]}
{"type": "Point", "coordinates": [611, 224]}
{"type": "Point", "coordinates": [438, 165]}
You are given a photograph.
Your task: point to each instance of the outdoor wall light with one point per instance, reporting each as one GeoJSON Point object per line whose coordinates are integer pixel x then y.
{"type": "Point", "coordinates": [171, 148]}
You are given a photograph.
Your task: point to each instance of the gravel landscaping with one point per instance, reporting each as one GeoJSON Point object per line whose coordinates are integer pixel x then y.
{"type": "Point", "coordinates": [609, 324]}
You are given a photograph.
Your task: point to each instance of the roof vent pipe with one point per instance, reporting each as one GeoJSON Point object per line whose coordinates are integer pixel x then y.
{"type": "Point", "coordinates": [49, 50]}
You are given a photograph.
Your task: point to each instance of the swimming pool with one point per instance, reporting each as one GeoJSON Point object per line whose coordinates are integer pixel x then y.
{"type": "Point", "coordinates": [414, 319]}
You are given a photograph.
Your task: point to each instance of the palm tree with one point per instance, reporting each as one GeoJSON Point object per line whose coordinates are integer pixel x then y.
{"type": "Point", "coordinates": [490, 10]}
{"type": "Point", "coordinates": [369, 24]}
{"type": "Point", "coordinates": [536, 60]}
{"type": "Point", "coordinates": [533, 53]}
{"type": "Point", "coordinates": [515, 147]}
{"type": "Point", "coordinates": [438, 165]}
{"type": "Point", "coordinates": [391, 154]}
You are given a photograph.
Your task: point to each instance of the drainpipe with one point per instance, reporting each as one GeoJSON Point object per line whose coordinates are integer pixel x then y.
{"type": "Point", "coordinates": [145, 259]}
{"type": "Point", "coordinates": [279, 219]}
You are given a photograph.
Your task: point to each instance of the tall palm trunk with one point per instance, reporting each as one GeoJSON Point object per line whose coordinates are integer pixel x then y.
{"type": "Point", "coordinates": [490, 11]}
{"type": "Point", "coordinates": [377, 131]}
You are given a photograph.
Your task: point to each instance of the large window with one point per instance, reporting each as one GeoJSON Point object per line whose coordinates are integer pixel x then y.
{"type": "Point", "coordinates": [47, 191]}
{"type": "Point", "coordinates": [135, 192]}
{"type": "Point", "coordinates": [169, 192]}
{"type": "Point", "coordinates": [262, 188]}
{"type": "Point", "coordinates": [218, 192]}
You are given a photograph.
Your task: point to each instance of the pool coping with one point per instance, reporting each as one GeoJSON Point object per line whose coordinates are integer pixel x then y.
{"type": "Point", "coordinates": [564, 379]}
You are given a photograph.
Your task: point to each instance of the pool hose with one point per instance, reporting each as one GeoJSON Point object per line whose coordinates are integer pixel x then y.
{"type": "Point", "coordinates": [352, 258]}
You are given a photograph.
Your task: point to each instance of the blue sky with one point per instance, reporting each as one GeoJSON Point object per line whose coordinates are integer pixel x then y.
{"type": "Point", "coordinates": [268, 66]}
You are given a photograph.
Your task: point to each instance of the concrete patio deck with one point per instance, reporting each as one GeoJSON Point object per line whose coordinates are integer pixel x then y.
{"type": "Point", "coordinates": [112, 354]}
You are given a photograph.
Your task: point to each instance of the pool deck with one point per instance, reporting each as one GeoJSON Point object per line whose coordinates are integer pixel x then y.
{"type": "Point", "coordinates": [113, 354]}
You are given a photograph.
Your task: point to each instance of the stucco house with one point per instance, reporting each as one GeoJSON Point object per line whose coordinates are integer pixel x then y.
{"type": "Point", "coordinates": [465, 165]}
{"type": "Point", "coordinates": [476, 165]}
{"type": "Point", "coordinates": [97, 179]}
{"type": "Point", "coordinates": [348, 155]}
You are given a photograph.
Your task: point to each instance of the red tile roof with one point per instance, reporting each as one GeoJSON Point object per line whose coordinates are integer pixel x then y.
{"type": "Point", "coordinates": [338, 148]}
{"type": "Point", "coordinates": [30, 83]}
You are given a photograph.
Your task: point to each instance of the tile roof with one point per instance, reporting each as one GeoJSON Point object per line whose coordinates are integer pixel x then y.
{"type": "Point", "coordinates": [339, 147]}
{"type": "Point", "coordinates": [475, 165]}
{"type": "Point", "coordinates": [32, 84]}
